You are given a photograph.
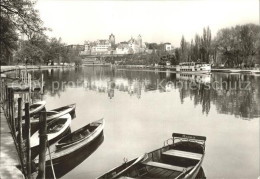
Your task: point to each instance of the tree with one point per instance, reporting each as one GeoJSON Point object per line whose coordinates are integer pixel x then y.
{"type": "Point", "coordinates": [206, 44]}
{"type": "Point", "coordinates": [8, 40]}
{"type": "Point", "coordinates": [177, 55]}
{"type": "Point", "coordinates": [184, 50]}
{"type": "Point", "coordinates": [17, 17]}
{"type": "Point", "coordinates": [23, 16]}
{"type": "Point", "coordinates": [29, 53]}
{"type": "Point", "coordinates": [250, 39]}
{"type": "Point", "coordinates": [239, 45]}
{"type": "Point", "coordinates": [197, 48]}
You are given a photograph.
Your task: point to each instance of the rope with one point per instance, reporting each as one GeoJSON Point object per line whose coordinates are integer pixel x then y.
{"type": "Point", "coordinates": [53, 172]}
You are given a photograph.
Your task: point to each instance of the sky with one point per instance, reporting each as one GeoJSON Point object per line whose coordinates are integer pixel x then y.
{"type": "Point", "coordinates": [76, 21]}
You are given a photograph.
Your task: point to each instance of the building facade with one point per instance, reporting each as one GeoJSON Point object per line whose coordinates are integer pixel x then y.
{"type": "Point", "coordinates": [167, 47]}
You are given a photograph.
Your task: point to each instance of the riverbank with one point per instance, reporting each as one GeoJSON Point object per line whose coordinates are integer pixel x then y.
{"type": "Point", "coordinates": [140, 67]}
{"type": "Point", "coordinates": [173, 69]}
{"type": "Point", "coordinates": [28, 67]}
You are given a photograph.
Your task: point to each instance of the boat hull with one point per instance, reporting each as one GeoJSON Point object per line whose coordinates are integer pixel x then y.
{"type": "Point", "coordinates": [52, 136]}
{"type": "Point", "coordinates": [53, 114]}
{"type": "Point", "coordinates": [40, 106]}
{"type": "Point", "coordinates": [182, 159]}
{"type": "Point", "coordinates": [61, 154]}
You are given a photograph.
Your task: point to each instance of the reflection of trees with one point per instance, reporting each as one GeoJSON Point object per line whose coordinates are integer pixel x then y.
{"type": "Point", "coordinates": [239, 102]}
{"type": "Point", "coordinates": [228, 99]}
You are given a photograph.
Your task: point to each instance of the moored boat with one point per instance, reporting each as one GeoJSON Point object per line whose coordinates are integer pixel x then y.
{"type": "Point", "coordinates": [55, 113]}
{"type": "Point", "coordinates": [181, 159]}
{"type": "Point", "coordinates": [74, 142]}
{"type": "Point", "coordinates": [79, 135]}
{"type": "Point", "coordinates": [36, 107]}
{"type": "Point", "coordinates": [193, 67]}
{"type": "Point", "coordinates": [55, 129]}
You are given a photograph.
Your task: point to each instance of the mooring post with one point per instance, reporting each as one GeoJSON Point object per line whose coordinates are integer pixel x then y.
{"type": "Point", "coordinates": [22, 76]}
{"type": "Point", "coordinates": [12, 111]}
{"type": "Point", "coordinates": [8, 103]}
{"type": "Point", "coordinates": [10, 106]}
{"type": "Point", "coordinates": [29, 83]}
{"type": "Point", "coordinates": [42, 84]}
{"type": "Point", "coordinates": [20, 131]}
{"type": "Point", "coordinates": [1, 90]}
{"type": "Point", "coordinates": [27, 137]}
{"type": "Point", "coordinates": [20, 127]}
{"type": "Point", "coordinates": [43, 140]}
{"type": "Point", "coordinates": [19, 73]}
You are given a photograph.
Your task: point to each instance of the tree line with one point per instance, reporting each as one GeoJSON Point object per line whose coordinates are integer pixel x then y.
{"type": "Point", "coordinates": [20, 19]}
{"type": "Point", "coordinates": [232, 47]}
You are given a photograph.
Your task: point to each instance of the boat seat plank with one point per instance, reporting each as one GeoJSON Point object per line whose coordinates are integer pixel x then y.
{"type": "Point", "coordinates": [165, 166]}
{"type": "Point", "coordinates": [183, 154]}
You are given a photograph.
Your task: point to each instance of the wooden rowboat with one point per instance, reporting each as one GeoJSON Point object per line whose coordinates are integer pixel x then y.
{"type": "Point", "coordinates": [55, 129]}
{"type": "Point", "coordinates": [36, 107]}
{"type": "Point", "coordinates": [55, 113]}
{"type": "Point", "coordinates": [74, 159]}
{"type": "Point", "coordinates": [79, 135]}
{"type": "Point", "coordinates": [181, 159]}
{"type": "Point", "coordinates": [61, 153]}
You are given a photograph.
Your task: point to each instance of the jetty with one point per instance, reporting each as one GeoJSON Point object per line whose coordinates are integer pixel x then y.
{"type": "Point", "coordinates": [9, 157]}
{"type": "Point", "coordinates": [15, 155]}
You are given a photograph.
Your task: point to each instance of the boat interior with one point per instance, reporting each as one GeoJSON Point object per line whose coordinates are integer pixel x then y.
{"type": "Point", "coordinates": [77, 135]}
{"type": "Point", "coordinates": [56, 125]}
{"type": "Point", "coordinates": [168, 162]}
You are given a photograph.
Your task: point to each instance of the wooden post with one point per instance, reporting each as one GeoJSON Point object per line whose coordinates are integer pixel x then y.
{"type": "Point", "coordinates": [42, 84]}
{"type": "Point", "coordinates": [1, 90]}
{"type": "Point", "coordinates": [20, 127]}
{"type": "Point", "coordinates": [43, 140]}
{"type": "Point", "coordinates": [20, 131]}
{"type": "Point", "coordinates": [8, 102]}
{"type": "Point", "coordinates": [29, 83]}
{"type": "Point", "coordinates": [12, 111]}
{"type": "Point", "coordinates": [6, 91]}
{"type": "Point", "coordinates": [27, 137]}
{"type": "Point", "coordinates": [19, 75]}
{"type": "Point", "coordinates": [22, 76]}
{"type": "Point", "coordinates": [10, 105]}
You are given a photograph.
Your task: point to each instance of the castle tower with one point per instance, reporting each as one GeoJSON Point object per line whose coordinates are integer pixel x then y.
{"type": "Point", "coordinates": [112, 40]}
{"type": "Point", "coordinates": [139, 40]}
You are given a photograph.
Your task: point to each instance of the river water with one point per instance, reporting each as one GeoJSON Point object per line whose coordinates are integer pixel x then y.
{"type": "Point", "coordinates": [143, 108]}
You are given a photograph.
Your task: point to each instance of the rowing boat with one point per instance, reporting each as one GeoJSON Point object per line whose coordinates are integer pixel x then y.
{"type": "Point", "coordinates": [36, 107]}
{"type": "Point", "coordinates": [55, 129]}
{"type": "Point", "coordinates": [61, 153]}
{"type": "Point", "coordinates": [180, 159]}
{"type": "Point", "coordinates": [55, 113]}
{"type": "Point", "coordinates": [81, 134]}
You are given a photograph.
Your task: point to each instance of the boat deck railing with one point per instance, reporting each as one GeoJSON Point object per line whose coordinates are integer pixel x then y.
{"type": "Point", "coordinates": [171, 141]}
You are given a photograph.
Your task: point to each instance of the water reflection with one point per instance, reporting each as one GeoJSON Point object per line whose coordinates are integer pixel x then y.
{"type": "Point", "coordinates": [201, 89]}
{"type": "Point", "coordinates": [74, 159]}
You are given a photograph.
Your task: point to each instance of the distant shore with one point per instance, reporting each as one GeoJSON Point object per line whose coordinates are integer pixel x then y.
{"type": "Point", "coordinates": [28, 67]}
{"type": "Point", "coordinates": [161, 68]}
{"type": "Point", "coordinates": [140, 67]}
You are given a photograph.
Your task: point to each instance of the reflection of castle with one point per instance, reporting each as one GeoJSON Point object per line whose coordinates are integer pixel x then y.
{"type": "Point", "coordinates": [229, 100]}
{"type": "Point", "coordinates": [132, 87]}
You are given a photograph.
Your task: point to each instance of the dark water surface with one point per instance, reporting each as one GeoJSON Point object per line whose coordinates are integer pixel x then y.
{"type": "Point", "coordinates": [143, 108]}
